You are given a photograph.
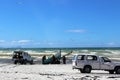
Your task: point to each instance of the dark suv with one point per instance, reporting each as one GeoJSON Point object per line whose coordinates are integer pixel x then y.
{"type": "Point", "coordinates": [21, 57]}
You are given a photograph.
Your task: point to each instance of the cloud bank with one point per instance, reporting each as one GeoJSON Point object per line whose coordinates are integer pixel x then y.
{"type": "Point", "coordinates": [24, 41]}
{"type": "Point", "coordinates": [69, 43]}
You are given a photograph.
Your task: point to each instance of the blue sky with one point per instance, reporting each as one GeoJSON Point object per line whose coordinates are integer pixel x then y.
{"type": "Point", "coordinates": [59, 23]}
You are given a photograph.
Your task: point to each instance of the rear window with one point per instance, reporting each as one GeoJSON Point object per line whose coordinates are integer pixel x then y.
{"type": "Point", "coordinates": [81, 57]}
{"type": "Point", "coordinates": [91, 58]}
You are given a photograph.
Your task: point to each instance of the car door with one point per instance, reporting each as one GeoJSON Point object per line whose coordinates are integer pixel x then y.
{"type": "Point", "coordinates": [80, 61]}
{"type": "Point", "coordinates": [106, 63]}
{"type": "Point", "coordinates": [93, 61]}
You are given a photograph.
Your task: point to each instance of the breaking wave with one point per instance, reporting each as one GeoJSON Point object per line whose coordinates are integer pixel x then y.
{"type": "Point", "coordinates": [109, 52]}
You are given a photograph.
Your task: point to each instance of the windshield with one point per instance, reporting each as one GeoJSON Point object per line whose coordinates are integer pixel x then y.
{"type": "Point", "coordinates": [105, 59]}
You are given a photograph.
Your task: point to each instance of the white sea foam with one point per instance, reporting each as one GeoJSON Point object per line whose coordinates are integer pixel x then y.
{"type": "Point", "coordinates": [85, 51]}
{"type": "Point", "coordinates": [94, 53]}
{"type": "Point", "coordinates": [101, 52]}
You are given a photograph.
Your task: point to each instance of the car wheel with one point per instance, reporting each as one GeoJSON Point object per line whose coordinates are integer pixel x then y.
{"type": "Point", "coordinates": [87, 69]}
{"type": "Point", "coordinates": [25, 61]}
{"type": "Point", "coordinates": [81, 70]}
{"type": "Point", "coordinates": [117, 70]}
{"type": "Point", "coordinates": [15, 62]}
{"type": "Point", "coordinates": [21, 61]}
{"type": "Point", "coordinates": [111, 71]}
{"type": "Point", "coordinates": [31, 62]}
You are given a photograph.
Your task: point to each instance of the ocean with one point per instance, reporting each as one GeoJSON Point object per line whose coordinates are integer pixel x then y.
{"type": "Point", "coordinates": [108, 52]}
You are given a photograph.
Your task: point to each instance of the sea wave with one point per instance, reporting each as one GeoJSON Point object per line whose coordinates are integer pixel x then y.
{"type": "Point", "coordinates": [40, 51]}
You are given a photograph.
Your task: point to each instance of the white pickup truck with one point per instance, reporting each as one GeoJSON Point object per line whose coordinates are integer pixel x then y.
{"type": "Point", "coordinates": [86, 63]}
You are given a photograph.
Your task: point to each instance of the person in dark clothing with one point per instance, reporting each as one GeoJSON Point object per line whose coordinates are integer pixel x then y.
{"type": "Point", "coordinates": [43, 59]}
{"type": "Point", "coordinates": [64, 60]}
{"type": "Point", "coordinates": [53, 60]}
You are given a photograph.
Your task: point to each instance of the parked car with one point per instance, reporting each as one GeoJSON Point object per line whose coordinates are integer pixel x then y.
{"type": "Point", "coordinates": [86, 63]}
{"type": "Point", "coordinates": [21, 57]}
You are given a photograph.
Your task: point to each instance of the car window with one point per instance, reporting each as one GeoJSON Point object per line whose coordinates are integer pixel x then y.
{"type": "Point", "coordinates": [105, 59]}
{"type": "Point", "coordinates": [81, 57]}
{"type": "Point", "coordinates": [93, 58]}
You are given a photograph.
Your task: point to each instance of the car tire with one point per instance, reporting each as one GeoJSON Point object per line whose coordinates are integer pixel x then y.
{"type": "Point", "coordinates": [117, 70]}
{"type": "Point", "coordinates": [81, 70]}
{"type": "Point", "coordinates": [87, 69]}
{"type": "Point", "coordinates": [111, 72]}
{"type": "Point", "coordinates": [22, 62]}
{"type": "Point", "coordinates": [25, 61]}
{"type": "Point", "coordinates": [31, 62]}
{"type": "Point", "coordinates": [15, 62]}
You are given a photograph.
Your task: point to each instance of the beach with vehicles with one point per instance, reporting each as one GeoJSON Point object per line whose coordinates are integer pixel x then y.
{"type": "Point", "coordinates": [39, 71]}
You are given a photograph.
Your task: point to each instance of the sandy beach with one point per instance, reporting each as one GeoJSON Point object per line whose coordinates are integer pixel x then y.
{"type": "Point", "coordinates": [37, 71]}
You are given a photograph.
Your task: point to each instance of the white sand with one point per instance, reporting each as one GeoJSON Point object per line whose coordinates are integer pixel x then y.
{"type": "Point", "coordinates": [9, 71]}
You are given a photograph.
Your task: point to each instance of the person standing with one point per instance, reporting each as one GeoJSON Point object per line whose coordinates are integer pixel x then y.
{"type": "Point", "coordinates": [43, 59]}
{"type": "Point", "coordinates": [64, 60]}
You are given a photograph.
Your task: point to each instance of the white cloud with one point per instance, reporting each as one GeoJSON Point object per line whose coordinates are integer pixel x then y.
{"type": "Point", "coordinates": [76, 31]}
{"type": "Point", "coordinates": [19, 42]}
{"type": "Point", "coordinates": [15, 43]}
{"type": "Point", "coordinates": [24, 41]}
{"type": "Point", "coordinates": [44, 43]}
{"type": "Point", "coordinates": [2, 41]}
